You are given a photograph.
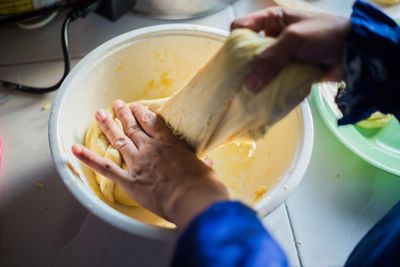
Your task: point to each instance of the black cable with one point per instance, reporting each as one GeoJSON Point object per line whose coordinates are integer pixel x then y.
{"type": "Point", "coordinates": [43, 90]}
{"type": "Point", "coordinates": [71, 16]}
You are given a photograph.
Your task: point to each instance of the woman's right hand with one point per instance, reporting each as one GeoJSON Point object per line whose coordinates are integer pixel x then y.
{"type": "Point", "coordinates": [308, 37]}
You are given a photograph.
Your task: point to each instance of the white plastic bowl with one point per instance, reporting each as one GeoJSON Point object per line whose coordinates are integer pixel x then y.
{"type": "Point", "coordinates": [96, 81]}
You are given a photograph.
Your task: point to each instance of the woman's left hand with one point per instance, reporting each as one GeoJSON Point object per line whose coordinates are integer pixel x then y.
{"type": "Point", "coordinates": [164, 175]}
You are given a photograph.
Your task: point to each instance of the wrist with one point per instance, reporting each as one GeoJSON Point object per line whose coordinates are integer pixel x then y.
{"type": "Point", "coordinates": [189, 200]}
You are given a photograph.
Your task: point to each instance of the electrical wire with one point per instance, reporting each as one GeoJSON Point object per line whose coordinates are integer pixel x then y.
{"type": "Point", "coordinates": [74, 14]}
{"type": "Point", "coordinates": [43, 21]}
{"type": "Point", "coordinates": [43, 90]}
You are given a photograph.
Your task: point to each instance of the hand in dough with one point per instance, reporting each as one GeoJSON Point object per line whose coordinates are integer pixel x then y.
{"type": "Point", "coordinates": [96, 141]}
{"type": "Point", "coordinates": [163, 174]}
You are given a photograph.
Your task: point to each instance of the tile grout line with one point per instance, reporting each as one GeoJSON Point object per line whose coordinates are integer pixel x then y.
{"type": "Point", "coordinates": [294, 236]}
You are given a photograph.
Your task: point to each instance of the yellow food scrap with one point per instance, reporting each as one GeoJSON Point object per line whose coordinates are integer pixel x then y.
{"type": "Point", "coordinates": [165, 80]}
{"type": "Point", "coordinates": [151, 84]}
{"type": "Point", "coordinates": [73, 169]}
{"type": "Point", "coordinates": [46, 106]}
{"type": "Point", "coordinates": [259, 193]}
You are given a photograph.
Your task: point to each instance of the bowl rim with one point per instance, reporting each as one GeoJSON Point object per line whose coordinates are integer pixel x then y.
{"type": "Point", "coordinates": [121, 221]}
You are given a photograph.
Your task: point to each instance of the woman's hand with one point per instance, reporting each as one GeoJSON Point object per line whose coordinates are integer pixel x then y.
{"type": "Point", "coordinates": [163, 174]}
{"type": "Point", "coordinates": [307, 37]}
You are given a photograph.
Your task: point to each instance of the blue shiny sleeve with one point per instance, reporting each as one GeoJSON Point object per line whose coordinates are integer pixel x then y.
{"type": "Point", "coordinates": [381, 245]}
{"type": "Point", "coordinates": [227, 234]}
{"type": "Point", "coordinates": [371, 65]}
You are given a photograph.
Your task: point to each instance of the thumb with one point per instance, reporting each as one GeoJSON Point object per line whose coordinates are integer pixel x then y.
{"type": "Point", "coordinates": [267, 65]}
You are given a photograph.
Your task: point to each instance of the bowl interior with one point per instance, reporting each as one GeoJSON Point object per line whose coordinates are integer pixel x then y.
{"type": "Point", "coordinates": [149, 65]}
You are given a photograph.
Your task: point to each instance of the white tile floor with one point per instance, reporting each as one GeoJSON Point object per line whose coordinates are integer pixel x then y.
{"type": "Point", "coordinates": [340, 197]}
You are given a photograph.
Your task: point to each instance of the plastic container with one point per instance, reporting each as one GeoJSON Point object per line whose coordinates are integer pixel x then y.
{"type": "Point", "coordinates": [179, 9]}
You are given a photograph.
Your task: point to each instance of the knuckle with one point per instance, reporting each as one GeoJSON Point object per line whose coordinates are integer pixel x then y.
{"type": "Point", "coordinates": [105, 127]}
{"type": "Point", "coordinates": [138, 171]}
{"type": "Point", "coordinates": [132, 129]}
{"type": "Point", "coordinates": [150, 119]}
{"type": "Point", "coordinates": [120, 142]}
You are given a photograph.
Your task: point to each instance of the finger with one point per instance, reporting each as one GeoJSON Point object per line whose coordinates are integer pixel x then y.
{"type": "Point", "coordinates": [99, 164]}
{"type": "Point", "coordinates": [116, 136]}
{"type": "Point", "coordinates": [151, 123]}
{"type": "Point", "coordinates": [271, 61]}
{"type": "Point", "coordinates": [131, 128]}
{"type": "Point", "coordinates": [271, 20]}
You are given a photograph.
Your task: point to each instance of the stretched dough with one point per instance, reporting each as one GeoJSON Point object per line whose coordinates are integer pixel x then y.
{"type": "Point", "coordinates": [214, 108]}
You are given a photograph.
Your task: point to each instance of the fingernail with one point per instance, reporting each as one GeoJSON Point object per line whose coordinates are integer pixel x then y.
{"type": "Point", "coordinates": [118, 103]}
{"type": "Point", "coordinates": [209, 162]}
{"type": "Point", "coordinates": [253, 83]}
{"type": "Point", "coordinates": [77, 148]}
{"type": "Point", "coordinates": [101, 115]}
